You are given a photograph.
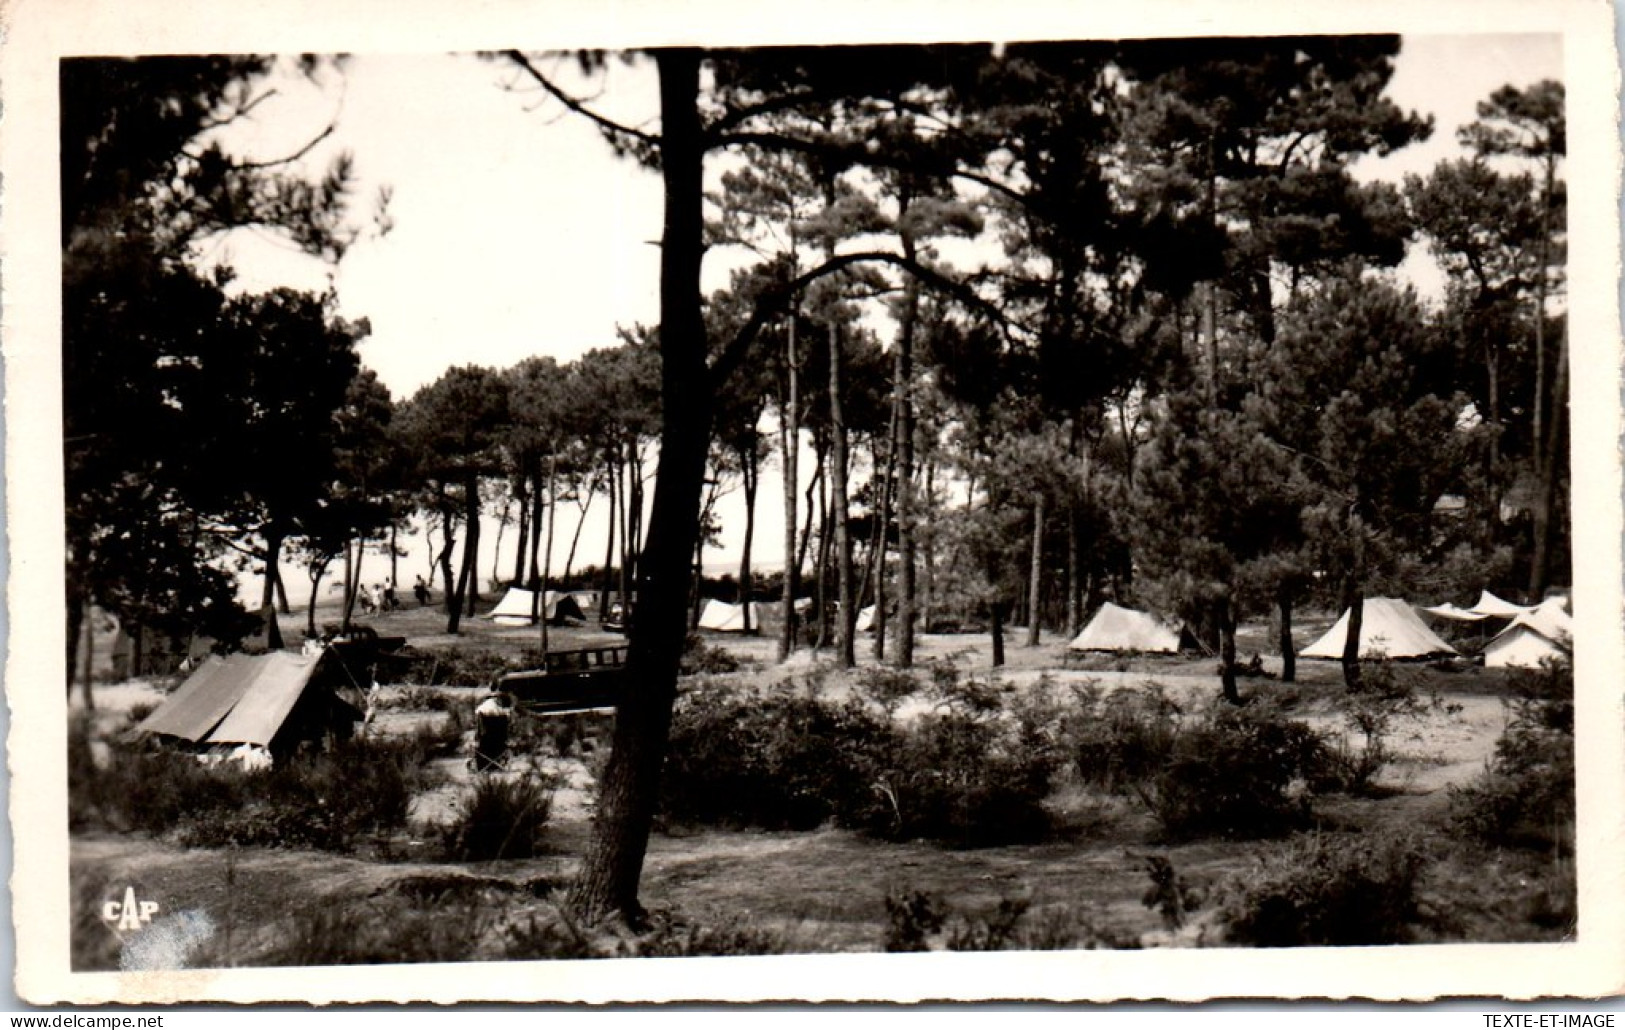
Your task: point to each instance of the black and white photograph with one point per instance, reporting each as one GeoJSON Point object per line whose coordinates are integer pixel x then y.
{"type": "Point", "coordinates": [962, 514]}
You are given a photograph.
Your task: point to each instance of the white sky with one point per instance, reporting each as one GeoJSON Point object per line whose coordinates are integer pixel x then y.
{"type": "Point", "coordinates": [517, 232]}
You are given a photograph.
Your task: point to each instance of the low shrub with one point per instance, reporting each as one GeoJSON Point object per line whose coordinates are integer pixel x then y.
{"type": "Point", "coordinates": [504, 817]}
{"type": "Point", "coordinates": [1117, 739]}
{"type": "Point", "coordinates": [1525, 798]}
{"type": "Point", "coordinates": [1324, 891]}
{"type": "Point", "coordinates": [703, 659]}
{"type": "Point", "coordinates": [674, 935]}
{"type": "Point", "coordinates": [965, 781]}
{"type": "Point", "coordinates": [778, 761]}
{"type": "Point", "coordinates": [1238, 773]}
{"type": "Point", "coordinates": [912, 918]}
{"type": "Point", "coordinates": [325, 801]}
{"type": "Point", "coordinates": [1388, 696]}
{"type": "Point", "coordinates": [920, 921]}
{"type": "Point", "coordinates": [448, 666]}
{"type": "Point", "coordinates": [380, 930]}
{"type": "Point", "coordinates": [885, 687]}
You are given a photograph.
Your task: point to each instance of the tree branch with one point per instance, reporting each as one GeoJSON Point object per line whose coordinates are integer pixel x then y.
{"type": "Point", "coordinates": [606, 124]}
{"type": "Point", "coordinates": [775, 302]}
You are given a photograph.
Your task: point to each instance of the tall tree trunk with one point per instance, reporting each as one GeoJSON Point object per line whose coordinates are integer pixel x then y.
{"type": "Point", "coordinates": [575, 537]}
{"type": "Point", "coordinates": [1074, 578]}
{"type": "Point", "coordinates": [1354, 599]}
{"type": "Point", "coordinates": [273, 554]}
{"type": "Point", "coordinates": [998, 633]}
{"type": "Point", "coordinates": [547, 555]}
{"type": "Point", "coordinates": [822, 637]}
{"type": "Point", "coordinates": [281, 588]}
{"type": "Point", "coordinates": [789, 444]}
{"type": "Point", "coordinates": [609, 556]}
{"type": "Point", "coordinates": [1547, 493]}
{"type": "Point", "coordinates": [876, 566]}
{"type": "Point", "coordinates": [394, 558]}
{"type": "Point", "coordinates": [523, 496]}
{"type": "Point", "coordinates": [1227, 650]}
{"type": "Point", "coordinates": [471, 544]}
{"type": "Point", "coordinates": [609, 875]}
{"type": "Point", "coordinates": [1289, 653]}
{"type": "Point", "coordinates": [537, 518]}
{"type": "Point", "coordinates": [846, 618]}
{"type": "Point", "coordinates": [447, 576]}
{"type": "Point", "coordinates": [751, 476]}
{"type": "Point", "coordinates": [1035, 580]}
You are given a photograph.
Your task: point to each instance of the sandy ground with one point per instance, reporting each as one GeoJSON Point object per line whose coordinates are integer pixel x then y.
{"type": "Point", "coordinates": [824, 890]}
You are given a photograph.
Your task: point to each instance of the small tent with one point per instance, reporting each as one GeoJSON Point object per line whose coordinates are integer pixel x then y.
{"type": "Point", "coordinates": [1124, 629]}
{"type": "Point", "coordinates": [273, 700]}
{"type": "Point", "coordinates": [722, 617]}
{"type": "Point", "coordinates": [1532, 637]}
{"type": "Point", "coordinates": [517, 604]}
{"type": "Point", "coordinates": [1389, 628]}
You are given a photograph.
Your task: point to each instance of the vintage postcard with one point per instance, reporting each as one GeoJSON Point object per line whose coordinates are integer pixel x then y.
{"type": "Point", "coordinates": [923, 502]}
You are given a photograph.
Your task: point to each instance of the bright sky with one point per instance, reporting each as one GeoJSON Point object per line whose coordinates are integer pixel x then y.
{"type": "Point", "coordinates": [517, 232]}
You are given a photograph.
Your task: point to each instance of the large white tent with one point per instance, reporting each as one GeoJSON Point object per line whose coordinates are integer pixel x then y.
{"type": "Point", "coordinates": [722, 617]}
{"type": "Point", "coordinates": [1123, 629]}
{"type": "Point", "coordinates": [1542, 632]}
{"type": "Point", "coordinates": [517, 606]}
{"type": "Point", "coordinates": [1389, 628]}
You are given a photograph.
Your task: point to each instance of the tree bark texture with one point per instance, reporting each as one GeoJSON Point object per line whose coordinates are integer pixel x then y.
{"type": "Point", "coordinates": [609, 876]}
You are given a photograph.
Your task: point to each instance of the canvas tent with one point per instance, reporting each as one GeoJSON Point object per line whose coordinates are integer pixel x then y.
{"type": "Point", "coordinates": [722, 617]}
{"type": "Point", "coordinates": [1124, 629]}
{"type": "Point", "coordinates": [1389, 628]}
{"type": "Point", "coordinates": [516, 607]}
{"type": "Point", "coordinates": [1532, 637]}
{"type": "Point", "coordinates": [271, 700]}
{"type": "Point", "coordinates": [1490, 605]}
{"type": "Point", "coordinates": [1450, 611]}
{"type": "Point", "coordinates": [866, 619]}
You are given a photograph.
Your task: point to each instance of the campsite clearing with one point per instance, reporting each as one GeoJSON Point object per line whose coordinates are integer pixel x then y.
{"type": "Point", "coordinates": [825, 889]}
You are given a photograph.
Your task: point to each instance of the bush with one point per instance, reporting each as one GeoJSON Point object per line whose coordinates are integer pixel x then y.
{"type": "Point", "coordinates": [503, 818]}
{"type": "Point", "coordinates": [966, 781]}
{"type": "Point", "coordinates": [1238, 773]}
{"type": "Point", "coordinates": [703, 659]}
{"type": "Point", "coordinates": [779, 761]}
{"type": "Point", "coordinates": [324, 801]}
{"type": "Point", "coordinates": [885, 687]}
{"type": "Point", "coordinates": [1526, 796]}
{"type": "Point", "coordinates": [1389, 694]}
{"type": "Point", "coordinates": [377, 931]}
{"type": "Point", "coordinates": [1323, 891]}
{"type": "Point", "coordinates": [1118, 739]}
{"type": "Point", "coordinates": [448, 666]}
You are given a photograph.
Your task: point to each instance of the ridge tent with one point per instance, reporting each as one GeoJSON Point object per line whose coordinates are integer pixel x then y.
{"type": "Point", "coordinates": [273, 700]}
{"type": "Point", "coordinates": [1542, 632]}
{"type": "Point", "coordinates": [1389, 628]}
{"type": "Point", "coordinates": [1489, 604]}
{"type": "Point", "coordinates": [722, 617]}
{"type": "Point", "coordinates": [517, 604]}
{"type": "Point", "coordinates": [1124, 629]}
